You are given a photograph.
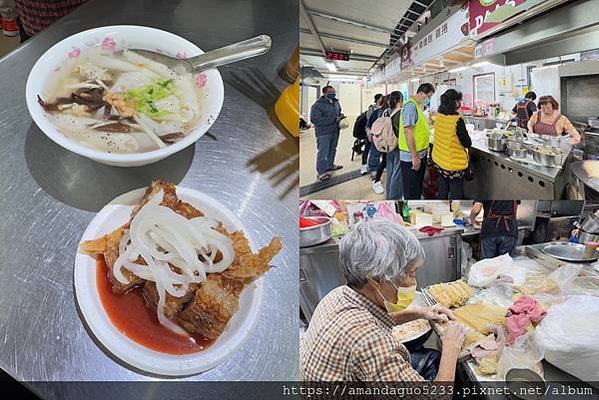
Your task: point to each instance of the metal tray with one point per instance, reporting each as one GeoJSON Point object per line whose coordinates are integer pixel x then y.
{"type": "Point", "coordinates": [567, 251]}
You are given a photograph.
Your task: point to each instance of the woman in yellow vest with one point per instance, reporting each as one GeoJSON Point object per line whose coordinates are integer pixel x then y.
{"type": "Point", "coordinates": [450, 156]}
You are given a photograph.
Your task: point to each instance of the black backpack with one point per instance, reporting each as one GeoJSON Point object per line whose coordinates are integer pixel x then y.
{"type": "Point", "coordinates": [360, 126]}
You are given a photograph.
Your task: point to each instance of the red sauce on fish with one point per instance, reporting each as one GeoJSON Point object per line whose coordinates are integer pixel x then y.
{"type": "Point", "coordinates": [130, 315]}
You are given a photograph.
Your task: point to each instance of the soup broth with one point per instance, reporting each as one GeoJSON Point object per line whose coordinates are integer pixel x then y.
{"type": "Point", "coordinates": [122, 102]}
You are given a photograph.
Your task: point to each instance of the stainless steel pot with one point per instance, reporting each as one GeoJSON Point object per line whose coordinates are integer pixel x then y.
{"type": "Point", "coordinates": [313, 235]}
{"type": "Point", "coordinates": [594, 122]}
{"type": "Point", "coordinates": [585, 237]}
{"type": "Point", "coordinates": [540, 155]}
{"type": "Point", "coordinates": [496, 142]}
{"type": "Point", "coordinates": [590, 224]}
{"type": "Point", "coordinates": [516, 149]}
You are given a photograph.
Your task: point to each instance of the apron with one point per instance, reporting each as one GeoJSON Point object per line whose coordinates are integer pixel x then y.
{"type": "Point", "coordinates": [522, 109]}
{"type": "Point", "coordinates": [543, 128]}
{"type": "Point", "coordinates": [502, 218]}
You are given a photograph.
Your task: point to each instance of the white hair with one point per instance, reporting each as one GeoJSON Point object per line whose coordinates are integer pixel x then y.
{"type": "Point", "coordinates": [378, 249]}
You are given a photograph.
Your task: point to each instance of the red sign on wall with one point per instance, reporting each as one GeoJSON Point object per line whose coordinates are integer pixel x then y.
{"type": "Point", "coordinates": [487, 14]}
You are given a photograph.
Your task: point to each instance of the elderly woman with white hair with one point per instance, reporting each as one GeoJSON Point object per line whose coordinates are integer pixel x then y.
{"type": "Point", "coordinates": [350, 334]}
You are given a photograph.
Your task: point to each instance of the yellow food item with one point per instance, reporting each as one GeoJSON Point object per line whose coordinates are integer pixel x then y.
{"type": "Point", "coordinates": [411, 329]}
{"type": "Point", "coordinates": [452, 294]}
{"type": "Point", "coordinates": [547, 285]}
{"type": "Point", "coordinates": [472, 336]}
{"type": "Point", "coordinates": [478, 316]}
{"type": "Point", "coordinates": [591, 168]}
{"type": "Point", "coordinates": [487, 366]}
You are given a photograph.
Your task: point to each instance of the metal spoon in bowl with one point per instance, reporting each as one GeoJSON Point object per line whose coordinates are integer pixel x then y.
{"type": "Point", "coordinates": [225, 55]}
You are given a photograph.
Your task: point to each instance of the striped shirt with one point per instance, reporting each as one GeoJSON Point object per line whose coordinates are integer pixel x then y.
{"type": "Point", "coordinates": [37, 15]}
{"type": "Point", "coordinates": [349, 339]}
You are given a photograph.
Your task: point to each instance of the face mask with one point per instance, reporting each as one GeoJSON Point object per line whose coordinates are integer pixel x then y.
{"type": "Point", "coordinates": [405, 296]}
{"type": "Point", "coordinates": [332, 95]}
{"type": "Point", "coordinates": [427, 102]}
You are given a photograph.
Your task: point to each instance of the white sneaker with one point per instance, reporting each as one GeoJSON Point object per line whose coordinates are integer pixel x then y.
{"type": "Point", "coordinates": [364, 169]}
{"type": "Point", "coordinates": [373, 175]}
{"type": "Point", "coordinates": [378, 187]}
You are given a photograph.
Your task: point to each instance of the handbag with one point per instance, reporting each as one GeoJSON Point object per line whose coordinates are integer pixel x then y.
{"type": "Point", "coordinates": [343, 124]}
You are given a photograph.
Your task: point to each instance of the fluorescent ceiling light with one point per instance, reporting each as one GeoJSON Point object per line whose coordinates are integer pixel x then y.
{"type": "Point", "coordinates": [480, 64]}
{"type": "Point", "coordinates": [331, 67]}
{"type": "Point", "coordinates": [414, 80]}
{"type": "Point", "coordinates": [457, 69]}
{"type": "Point", "coordinates": [343, 78]}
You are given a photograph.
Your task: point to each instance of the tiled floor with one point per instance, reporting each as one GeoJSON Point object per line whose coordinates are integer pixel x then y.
{"type": "Point", "coordinates": [356, 189]}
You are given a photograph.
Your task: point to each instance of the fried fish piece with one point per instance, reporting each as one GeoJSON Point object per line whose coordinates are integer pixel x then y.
{"type": "Point", "coordinates": [247, 265]}
{"type": "Point", "coordinates": [172, 304]}
{"type": "Point", "coordinates": [169, 200]}
{"type": "Point", "coordinates": [108, 247]}
{"type": "Point", "coordinates": [212, 307]}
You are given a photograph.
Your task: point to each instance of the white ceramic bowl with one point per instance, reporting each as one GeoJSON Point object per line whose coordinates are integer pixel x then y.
{"type": "Point", "coordinates": [133, 354]}
{"type": "Point", "coordinates": [120, 37]}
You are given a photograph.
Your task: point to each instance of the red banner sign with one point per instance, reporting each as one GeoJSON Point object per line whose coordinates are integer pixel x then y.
{"type": "Point", "coordinates": [487, 14]}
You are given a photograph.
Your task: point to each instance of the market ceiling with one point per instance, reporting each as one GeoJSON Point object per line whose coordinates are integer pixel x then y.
{"type": "Point", "coordinates": [367, 30]}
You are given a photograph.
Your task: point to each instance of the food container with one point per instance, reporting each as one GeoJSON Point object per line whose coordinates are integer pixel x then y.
{"type": "Point", "coordinates": [590, 249]}
{"type": "Point", "coordinates": [594, 122]}
{"type": "Point", "coordinates": [496, 142]}
{"type": "Point", "coordinates": [590, 224]}
{"type": "Point", "coordinates": [313, 235]}
{"type": "Point", "coordinates": [516, 149]}
{"type": "Point", "coordinates": [586, 237]}
{"type": "Point", "coordinates": [524, 384]}
{"type": "Point", "coordinates": [125, 36]}
{"type": "Point", "coordinates": [548, 156]}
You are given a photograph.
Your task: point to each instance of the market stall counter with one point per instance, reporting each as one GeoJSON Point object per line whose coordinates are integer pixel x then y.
{"type": "Point", "coordinates": [320, 271]}
{"type": "Point", "coordinates": [552, 375]}
{"type": "Point", "coordinates": [498, 176]}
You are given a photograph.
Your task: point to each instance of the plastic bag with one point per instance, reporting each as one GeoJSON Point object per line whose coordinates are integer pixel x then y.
{"type": "Point", "coordinates": [498, 295]}
{"type": "Point", "coordinates": [385, 211]}
{"type": "Point", "coordinates": [485, 272]}
{"type": "Point", "coordinates": [526, 352]}
{"type": "Point", "coordinates": [308, 209]}
{"type": "Point", "coordinates": [570, 335]}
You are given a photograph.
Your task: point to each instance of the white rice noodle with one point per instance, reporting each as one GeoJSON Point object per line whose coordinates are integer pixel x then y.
{"type": "Point", "coordinates": [79, 129]}
{"type": "Point", "coordinates": [170, 104]}
{"type": "Point", "coordinates": [163, 237]}
{"type": "Point", "coordinates": [146, 124]}
{"type": "Point", "coordinates": [130, 80]}
{"type": "Point", "coordinates": [154, 66]}
{"type": "Point", "coordinates": [113, 63]}
{"type": "Point", "coordinates": [185, 85]}
{"type": "Point", "coordinates": [90, 71]}
{"type": "Point", "coordinates": [83, 85]}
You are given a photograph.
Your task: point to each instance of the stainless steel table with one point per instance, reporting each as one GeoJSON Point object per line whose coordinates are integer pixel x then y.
{"type": "Point", "coordinates": [497, 176]}
{"type": "Point", "coordinates": [49, 195]}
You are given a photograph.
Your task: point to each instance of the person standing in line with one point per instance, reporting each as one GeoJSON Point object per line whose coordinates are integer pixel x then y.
{"type": "Point", "coordinates": [499, 231]}
{"type": "Point", "coordinates": [371, 108]}
{"type": "Point", "coordinates": [450, 157]}
{"type": "Point", "coordinates": [525, 109]}
{"type": "Point", "coordinates": [414, 138]}
{"type": "Point", "coordinates": [375, 158]}
{"type": "Point", "coordinates": [394, 184]}
{"type": "Point", "coordinates": [325, 115]}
